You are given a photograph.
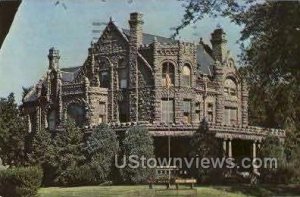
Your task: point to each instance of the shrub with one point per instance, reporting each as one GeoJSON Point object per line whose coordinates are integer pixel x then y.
{"type": "Point", "coordinates": [101, 147]}
{"type": "Point", "coordinates": [137, 142]}
{"type": "Point", "coordinates": [23, 181]}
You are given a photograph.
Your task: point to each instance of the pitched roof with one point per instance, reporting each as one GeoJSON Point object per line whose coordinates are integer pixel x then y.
{"type": "Point", "coordinates": [204, 58]}
{"type": "Point", "coordinates": [149, 38]}
{"type": "Point", "coordinates": [69, 74]}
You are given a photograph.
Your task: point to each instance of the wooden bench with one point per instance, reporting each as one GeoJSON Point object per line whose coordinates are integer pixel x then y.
{"type": "Point", "coordinates": [185, 181]}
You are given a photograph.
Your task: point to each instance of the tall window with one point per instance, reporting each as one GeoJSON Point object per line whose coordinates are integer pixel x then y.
{"type": "Point", "coordinates": [123, 112]}
{"type": "Point", "coordinates": [186, 76]}
{"type": "Point", "coordinates": [230, 115]}
{"type": "Point", "coordinates": [187, 111]}
{"type": "Point", "coordinates": [104, 79]}
{"type": "Point", "coordinates": [167, 110]}
{"type": "Point", "coordinates": [52, 120]}
{"type": "Point", "coordinates": [123, 78]}
{"type": "Point", "coordinates": [210, 112]}
{"type": "Point", "coordinates": [198, 111]}
{"type": "Point", "coordinates": [168, 74]}
{"type": "Point", "coordinates": [77, 113]}
{"type": "Point", "coordinates": [102, 111]}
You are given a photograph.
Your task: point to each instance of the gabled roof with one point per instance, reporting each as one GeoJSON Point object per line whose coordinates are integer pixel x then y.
{"type": "Point", "coordinates": [149, 38]}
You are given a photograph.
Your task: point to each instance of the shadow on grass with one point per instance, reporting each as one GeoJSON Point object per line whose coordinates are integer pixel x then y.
{"type": "Point", "coordinates": [263, 190]}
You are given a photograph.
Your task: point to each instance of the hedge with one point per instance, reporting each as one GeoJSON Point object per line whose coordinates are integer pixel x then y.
{"type": "Point", "coordinates": [20, 182]}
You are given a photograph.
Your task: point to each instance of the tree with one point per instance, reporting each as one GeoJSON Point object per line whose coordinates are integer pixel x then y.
{"type": "Point", "coordinates": [60, 154]}
{"type": "Point", "coordinates": [13, 133]}
{"type": "Point", "coordinates": [270, 43]}
{"type": "Point", "coordinates": [101, 147]}
{"type": "Point", "coordinates": [272, 29]}
{"type": "Point", "coordinates": [205, 145]}
{"type": "Point", "coordinates": [69, 154]}
{"type": "Point", "coordinates": [272, 147]}
{"type": "Point", "coordinates": [137, 142]}
{"type": "Point", "coordinates": [43, 154]}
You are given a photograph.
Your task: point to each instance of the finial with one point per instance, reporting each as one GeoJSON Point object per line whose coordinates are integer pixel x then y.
{"type": "Point", "coordinates": [201, 40]}
{"type": "Point", "coordinates": [219, 26]}
{"type": "Point", "coordinates": [110, 19]}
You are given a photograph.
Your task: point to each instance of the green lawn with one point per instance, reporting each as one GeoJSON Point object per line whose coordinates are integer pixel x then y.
{"type": "Point", "coordinates": [141, 190]}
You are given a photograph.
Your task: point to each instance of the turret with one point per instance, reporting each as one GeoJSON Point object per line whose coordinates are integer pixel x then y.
{"type": "Point", "coordinates": [219, 45]}
{"type": "Point", "coordinates": [53, 59]}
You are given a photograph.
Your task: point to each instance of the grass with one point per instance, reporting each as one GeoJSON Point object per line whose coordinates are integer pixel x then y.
{"type": "Point", "coordinates": [132, 191]}
{"type": "Point", "coordinates": [143, 190]}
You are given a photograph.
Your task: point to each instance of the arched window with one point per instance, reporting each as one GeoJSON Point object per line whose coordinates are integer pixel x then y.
{"type": "Point", "coordinates": [230, 88]}
{"type": "Point", "coordinates": [52, 120]}
{"type": "Point", "coordinates": [186, 75]}
{"type": "Point", "coordinates": [168, 74]}
{"type": "Point", "coordinates": [77, 113]}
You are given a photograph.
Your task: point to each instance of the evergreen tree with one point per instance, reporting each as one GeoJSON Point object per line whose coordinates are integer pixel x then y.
{"type": "Point", "coordinates": [13, 133]}
{"type": "Point", "coordinates": [101, 147]}
{"type": "Point", "coordinates": [205, 145]}
{"type": "Point", "coordinates": [69, 154]}
{"type": "Point", "coordinates": [137, 142]}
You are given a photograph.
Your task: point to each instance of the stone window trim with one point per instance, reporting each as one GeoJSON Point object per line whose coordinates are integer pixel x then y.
{"type": "Point", "coordinates": [210, 112]}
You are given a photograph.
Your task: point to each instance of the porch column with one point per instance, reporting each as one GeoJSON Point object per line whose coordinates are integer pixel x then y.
{"type": "Point", "coordinates": [224, 147]}
{"type": "Point", "coordinates": [254, 149]}
{"type": "Point", "coordinates": [229, 149]}
{"type": "Point", "coordinates": [254, 156]}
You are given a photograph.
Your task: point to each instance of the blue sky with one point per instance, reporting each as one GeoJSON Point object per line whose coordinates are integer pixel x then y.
{"type": "Point", "coordinates": [39, 25]}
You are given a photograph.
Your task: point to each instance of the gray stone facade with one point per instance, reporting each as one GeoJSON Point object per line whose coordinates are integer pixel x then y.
{"type": "Point", "coordinates": [123, 83]}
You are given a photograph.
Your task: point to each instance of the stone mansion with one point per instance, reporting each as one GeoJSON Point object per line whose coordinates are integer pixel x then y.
{"type": "Point", "coordinates": [169, 86]}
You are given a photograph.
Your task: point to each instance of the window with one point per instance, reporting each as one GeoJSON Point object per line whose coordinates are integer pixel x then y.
{"type": "Point", "coordinates": [187, 111]}
{"type": "Point", "coordinates": [230, 88]}
{"type": "Point", "coordinates": [52, 120]}
{"type": "Point", "coordinates": [230, 115]}
{"type": "Point", "coordinates": [102, 112]}
{"type": "Point", "coordinates": [186, 75]}
{"type": "Point", "coordinates": [167, 110]}
{"type": "Point", "coordinates": [210, 112]}
{"type": "Point", "coordinates": [123, 78]}
{"type": "Point", "coordinates": [100, 119]}
{"type": "Point", "coordinates": [168, 74]}
{"type": "Point", "coordinates": [77, 113]}
{"type": "Point", "coordinates": [123, 112]}
{"type": "Point", "coordinates": [104, 79]}
{"type": "Point", "coordinates": [198, 111]}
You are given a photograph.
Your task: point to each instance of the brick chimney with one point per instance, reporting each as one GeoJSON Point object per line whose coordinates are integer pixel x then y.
{"type": "Point", "coordinates": [53, 57]}
{"type": "Point", "coordinates": [136, 28]}
{"type": "Point", "coordinates": [219, 44]}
